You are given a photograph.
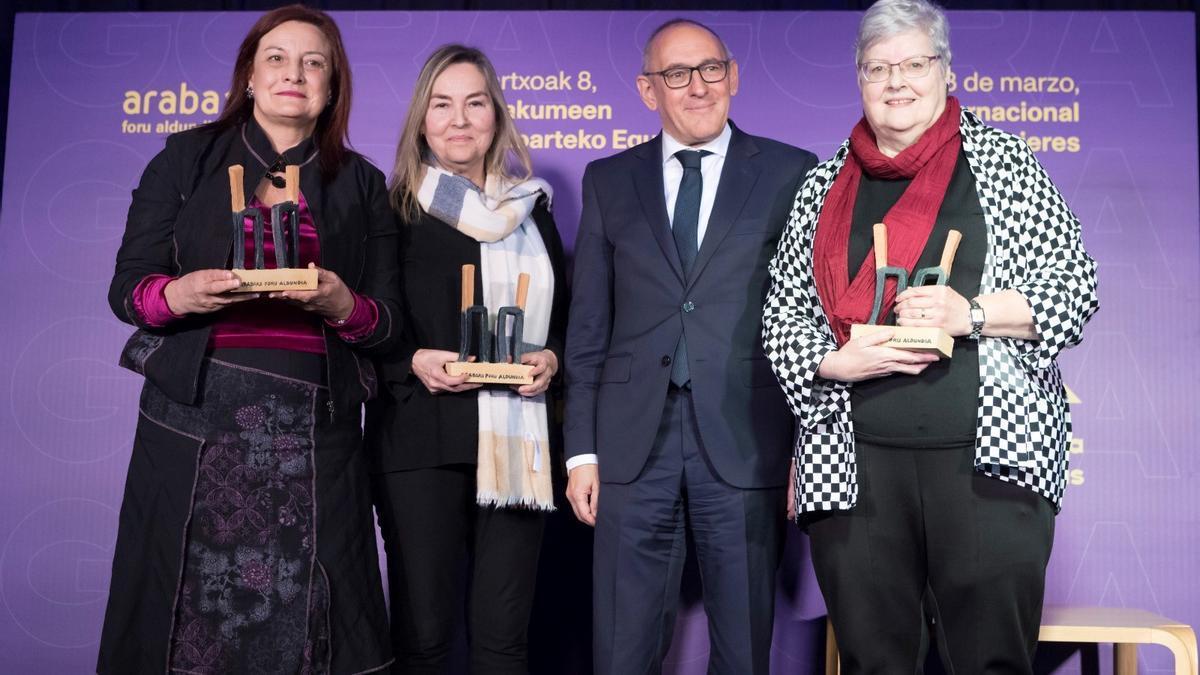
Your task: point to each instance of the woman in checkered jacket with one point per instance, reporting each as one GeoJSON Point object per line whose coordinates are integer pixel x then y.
{"type": "Point", "coordinates": [928, 486]}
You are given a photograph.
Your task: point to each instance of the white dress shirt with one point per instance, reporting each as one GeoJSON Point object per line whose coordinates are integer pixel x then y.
{"type": "Point", "coordinates": [710, 169]}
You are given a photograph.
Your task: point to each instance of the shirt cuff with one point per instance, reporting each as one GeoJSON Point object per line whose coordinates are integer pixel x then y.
{"type": "Point", "coordinates": [581, 460]}
{"type": "Point", "coordinates": [361, 322]}
{"type": "Point", "coordinates": [150, 301]}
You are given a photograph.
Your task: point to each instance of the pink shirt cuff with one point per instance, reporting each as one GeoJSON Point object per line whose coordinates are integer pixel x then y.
{"type": "Point", "coordinates": [361, 322]}
{"type": "Point", "coordinates": [150, 301]}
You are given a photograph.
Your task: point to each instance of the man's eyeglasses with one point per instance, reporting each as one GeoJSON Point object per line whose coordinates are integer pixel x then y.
{"type": "Point", "coordinates": [912, 68]}
{"type": "Point", "coordinates": [678, 78]}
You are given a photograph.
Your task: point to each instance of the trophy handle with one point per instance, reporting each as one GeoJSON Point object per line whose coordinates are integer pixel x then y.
{"type": "Point", "coordinates": [466, 299]}
{"type": "Point", "coordinates": [938, 276]}
{"type": "Point", "coordinates": [291, 174]}
{"type": "Point", "coordinates": [468, 287]}
{"type": "Point", "coordinates": [879, 234]}
{"type": "Point", "coordinates": [285, 221]}
{"type": "Point", "coordinates": [237, 202]}
{"type": "Point", "coordinates": [883, 271]}
{"type": "Point", "coordinates": [237, 194]}
{"type": "Point", "coordinates": [522, 289]}
{"type": "Point", "coordinates": [512, 318]}
{"type": "Point", "coordinates": [953, 237]}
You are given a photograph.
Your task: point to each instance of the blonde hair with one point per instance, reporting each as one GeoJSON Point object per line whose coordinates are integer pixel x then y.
{"type": "Point", "coordinates": [508, 158]}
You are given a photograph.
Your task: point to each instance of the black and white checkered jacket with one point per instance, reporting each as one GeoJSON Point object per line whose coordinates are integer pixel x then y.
{"type": "Point", "coordinates": [1024, 426]}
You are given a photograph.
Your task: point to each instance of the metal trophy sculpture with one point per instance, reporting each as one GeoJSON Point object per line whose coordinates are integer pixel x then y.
{"type": "Point", "coordinates": [285, 237]}
{"type": "Point", "coordinates": [924, 339]}
{"type": "Point", "coordinates": [474, 333]}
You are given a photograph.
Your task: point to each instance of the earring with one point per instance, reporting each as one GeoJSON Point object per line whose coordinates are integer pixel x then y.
{"type": "Point", "coordinates": [249, 91]}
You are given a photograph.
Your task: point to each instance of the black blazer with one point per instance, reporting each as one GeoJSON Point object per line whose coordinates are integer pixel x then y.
{"type": "Point", "coordinates": [409, 428]}
{"type": "Point", "coordinates": [631, 303]}
{"type": "Point", "coordinates": [179, 222]}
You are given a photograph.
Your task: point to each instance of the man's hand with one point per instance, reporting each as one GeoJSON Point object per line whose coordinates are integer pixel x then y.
{"type": "Point", "coordinates": [583, 491]}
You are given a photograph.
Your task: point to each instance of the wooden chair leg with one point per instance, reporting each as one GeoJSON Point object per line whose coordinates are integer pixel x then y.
{"type": "Point", "coordinates": [833, 661]}
{"type": "Point", "coordinates": [1181, 640]}
{"type": "Point", "coordinates": [1125, 659]}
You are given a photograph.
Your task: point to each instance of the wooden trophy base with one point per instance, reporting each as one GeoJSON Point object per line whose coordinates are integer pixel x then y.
{"type": "Point", "coordinates": [491, 373]}
{"type": "Point", "coordinates": [933, 340]}
{"type": "Point", "coordinates": [284, 279]}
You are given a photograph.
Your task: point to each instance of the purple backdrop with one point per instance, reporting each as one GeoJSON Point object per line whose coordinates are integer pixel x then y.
{"type": "Point", "coordinates": [93, 95]}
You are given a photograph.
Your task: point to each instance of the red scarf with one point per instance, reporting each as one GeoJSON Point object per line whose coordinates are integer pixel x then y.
{"type": "Point", "coordinates": [930, 164]}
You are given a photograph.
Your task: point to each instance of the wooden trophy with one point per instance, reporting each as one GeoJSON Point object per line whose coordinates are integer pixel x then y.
{"type": "Point", "coordinates": [287, 274]}
{"type": "Point", "coordinates": [473, 330]}
{"type": "Point", "coordinates": [913, 338]}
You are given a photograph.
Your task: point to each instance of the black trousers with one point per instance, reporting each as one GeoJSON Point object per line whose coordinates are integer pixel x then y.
{"type": "Point", "coordinates": [431, 526]}
{"type": "Point", "coordinates": [930, 537]}
{"type": "Point", "coordinates": [640, 547]}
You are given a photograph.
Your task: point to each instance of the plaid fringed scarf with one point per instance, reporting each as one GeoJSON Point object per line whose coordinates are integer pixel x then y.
{"type": "Point", "coordinates": [514, 446]}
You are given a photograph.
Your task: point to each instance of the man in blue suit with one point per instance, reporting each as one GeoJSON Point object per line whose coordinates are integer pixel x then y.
{"type": "Point", "coordinates": [672, 410]}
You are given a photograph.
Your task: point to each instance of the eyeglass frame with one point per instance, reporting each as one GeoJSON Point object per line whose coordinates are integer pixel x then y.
{"type": "Point", "coordinates": [863, 73]}
{"type": "Point", "coordinates": [690, 71]}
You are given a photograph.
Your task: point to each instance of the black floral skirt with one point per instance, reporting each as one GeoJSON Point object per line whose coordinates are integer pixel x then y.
{"type": "Point", "coordinates": [273, 523]}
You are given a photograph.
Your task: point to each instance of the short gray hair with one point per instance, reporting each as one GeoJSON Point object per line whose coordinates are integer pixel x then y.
{"type": "Point", "coordinates": [888, 18]}
{"type": "Point", "coordinates": [671, 24]}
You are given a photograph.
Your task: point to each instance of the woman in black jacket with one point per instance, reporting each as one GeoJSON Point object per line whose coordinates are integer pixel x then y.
{"type": "Point", "coordinates": [246, 542]}
{"type": "Point", "coordinates": [464, 469]}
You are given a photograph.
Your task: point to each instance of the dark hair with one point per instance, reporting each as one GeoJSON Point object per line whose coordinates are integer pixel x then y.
{"type": "Point", "coordinates": [332, 130]}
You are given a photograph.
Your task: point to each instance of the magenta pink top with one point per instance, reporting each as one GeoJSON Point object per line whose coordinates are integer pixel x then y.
{"type": "Point", "coordinates": [264, 322]}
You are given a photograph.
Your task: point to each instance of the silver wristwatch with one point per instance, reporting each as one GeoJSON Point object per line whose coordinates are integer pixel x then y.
{"type": "Point", "coordinates": [977, 319]}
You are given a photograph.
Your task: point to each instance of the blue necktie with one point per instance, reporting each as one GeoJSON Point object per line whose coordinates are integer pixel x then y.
{"type": "Point", "coordinates": [684, 226]}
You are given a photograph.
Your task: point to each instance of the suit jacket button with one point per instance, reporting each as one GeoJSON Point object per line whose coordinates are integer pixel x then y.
{"type": "Point", "coordinates": [666, 361]}
{"type": "Point", "coordinates": [688, 306]}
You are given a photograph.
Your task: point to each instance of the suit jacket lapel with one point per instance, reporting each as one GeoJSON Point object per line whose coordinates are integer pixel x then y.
{"type": "Point", "coordinates": [738, 177]}
{"type": "Point", "coordinates": [648, 181]}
